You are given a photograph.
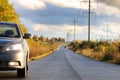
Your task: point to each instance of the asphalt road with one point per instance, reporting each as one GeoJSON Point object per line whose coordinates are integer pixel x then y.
{"type": "Point", "coordinates": [64, 64]}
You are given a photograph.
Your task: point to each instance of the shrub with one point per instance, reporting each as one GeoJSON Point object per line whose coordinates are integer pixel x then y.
{"type": "Point", "coordinates": [99, 48]}
{"type": "Point", "coordinates": [102, 50]}
{"type": "Point", "coordinates": [111, 49]}
{"type": "Point", "coordinates": [36, 48]}
{"type": "Point", "coordinates": [86, 45]}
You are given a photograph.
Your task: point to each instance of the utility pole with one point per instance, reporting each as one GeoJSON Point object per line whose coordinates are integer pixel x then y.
{"type": "Point", "coordinates": [74, 28]}
{"type": "Point", "coordinates": [107, 32]}
{"type": "Point", "coordinates": [89, 20]}
{"type": "Point", "coordinates": [70, 35]}
{"type": "Point", "coordinates": [67, 37]}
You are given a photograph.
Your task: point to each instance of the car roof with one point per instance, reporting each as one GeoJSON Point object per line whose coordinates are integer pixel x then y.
{"type": "Point", "coordinates": [7, 23]}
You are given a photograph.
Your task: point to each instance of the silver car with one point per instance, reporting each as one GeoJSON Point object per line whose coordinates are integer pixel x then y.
{"type": "Point", "coordinates": [14, 51]}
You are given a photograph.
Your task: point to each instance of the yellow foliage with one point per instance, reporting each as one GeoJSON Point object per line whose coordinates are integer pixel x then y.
{"type": "Point", "coordinates": [37, 49]}
{"type": "Point", "coordinates": [8, 14]}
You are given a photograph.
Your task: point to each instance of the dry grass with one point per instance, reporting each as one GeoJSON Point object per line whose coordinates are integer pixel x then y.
{"type": "Point", "coordinates": [90, 53]}
{"type": "Point", "coordinates": [103, 51]}
{"type": "Point", "coordinates": [38, 50]}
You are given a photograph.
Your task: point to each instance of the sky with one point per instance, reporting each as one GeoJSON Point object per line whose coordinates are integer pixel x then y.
{"type": "Point", "coordinates": [55, 18]}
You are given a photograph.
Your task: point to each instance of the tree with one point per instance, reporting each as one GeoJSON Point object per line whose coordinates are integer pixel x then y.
{"type": "Point", "coordinates": [35, 37]}
{"type": "Point", "coordinates": [8, 14]}
{"type": "Point", "coordinates": [23, 29]}
{"type": "Point", "coordinates": [54, 39]}
{"type": "Point", "coordinates": [42, 38]}
{"type": "Point", "coordinates": [47, 39]}
{"type": "Point", "coordinates": [59, 39]}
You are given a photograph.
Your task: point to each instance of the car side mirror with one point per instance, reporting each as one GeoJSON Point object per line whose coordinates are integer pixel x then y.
{"type": "Point", "coordinates": [27, 35]}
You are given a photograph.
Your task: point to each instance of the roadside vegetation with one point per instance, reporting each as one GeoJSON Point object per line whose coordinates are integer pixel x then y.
{"type": "Point", "coordinates": [39, 46]}
{"type": "Point", "coordinates": [38, 50]}
{"type": "Point", "coordinates": [102, 50]}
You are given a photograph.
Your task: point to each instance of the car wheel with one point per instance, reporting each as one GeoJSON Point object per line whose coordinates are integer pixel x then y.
{"type": "Point", "coordinates": [22, 72]}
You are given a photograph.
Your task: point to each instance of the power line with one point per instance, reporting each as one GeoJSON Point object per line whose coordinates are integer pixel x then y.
{"type": "Point", "coordinates": [75, 21]}
{"type": "Point", "coordinates": [74, 28]}
{"type": "Point", "coordinates": [89, 15]}
{"type": "Point", "coordinates": [89, 19]}
{"type": "Point", "coordinates": [68, 36]}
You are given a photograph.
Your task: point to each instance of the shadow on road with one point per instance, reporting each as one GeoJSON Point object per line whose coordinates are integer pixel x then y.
{"type": "Point", "coordinates": [11, 75]}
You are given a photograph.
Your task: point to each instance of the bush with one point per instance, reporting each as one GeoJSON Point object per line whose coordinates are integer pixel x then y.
{"type": "Point", "coordinates": [111, 49]}
{"type": "Point", "coordinates": [37, 49]}
{"type": "Point", "coordinates": [103, 50]}
{"type": "Point", "coordinates": [99, 48]}
{"type": "Point", "coordinates": [86, 45]}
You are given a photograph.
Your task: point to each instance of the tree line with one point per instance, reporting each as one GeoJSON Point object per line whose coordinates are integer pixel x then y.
{"type": "Point", "coordinates": [46, 39]}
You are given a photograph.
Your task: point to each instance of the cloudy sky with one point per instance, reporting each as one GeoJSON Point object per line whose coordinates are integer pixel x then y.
{"type": "Point", "coordinates": [54, 18]}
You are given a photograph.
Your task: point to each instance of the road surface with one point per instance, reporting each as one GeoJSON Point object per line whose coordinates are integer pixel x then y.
{"type": "Point", "coordinates": [64, 64]}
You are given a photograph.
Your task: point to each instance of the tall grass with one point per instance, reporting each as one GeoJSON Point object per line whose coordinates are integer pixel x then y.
{"type": "Point", "coordinates": [37, 48]}
{"type": "Point", "coordinates": [103, 50]}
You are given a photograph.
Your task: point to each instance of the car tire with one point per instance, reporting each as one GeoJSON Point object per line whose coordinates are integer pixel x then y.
{"type": "Point", "coordinates": [22, 72]}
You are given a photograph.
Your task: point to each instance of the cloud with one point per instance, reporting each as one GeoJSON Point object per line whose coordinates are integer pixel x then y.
{"type": "Point", "coordinates": [107, 10]}
{"type": "Point", "coordinates": [114, 3]}
{"type": "Point", "coordinates": [62, 14]}
{"type": "Point", "coordinates": [97, 32]}
{"type": "Point", "coordinates": [65, 3]}
{"type": "Point", "coordinates": [39, 27]}
{"type": "Point", "coordinates": [31, 4]}
{"type": "Point", "coordinates": [106, 29]}
{"type": "Point", "coordinates": [50, 15]}
{"type": "Point", "coordinates": [50, 30]}
{"type": "Point", "coordinates": [54, 18]}
{"type": "Point", "coordinates": [39, 4]}
{"type": "Point", "coordinates": [60, 30]}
